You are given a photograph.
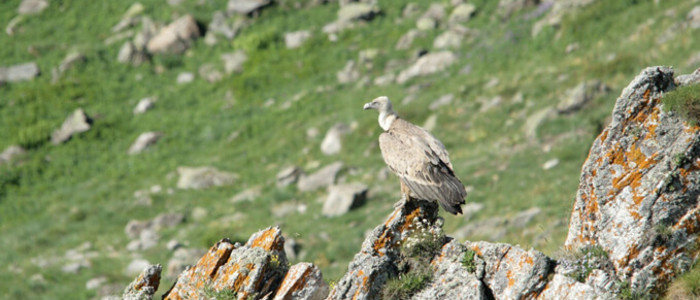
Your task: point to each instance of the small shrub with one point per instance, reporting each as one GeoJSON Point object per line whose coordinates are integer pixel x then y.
{"type": "Point", "coordinates": [586, 260]}
{"type": "Point", "coordinates": [625, 292]}
{"type": "Point", "coordinates": [407, 284]}
{"type": "Point", "coordinates": [685, 101]}
{"type": "Point", "coordinates": [468, 261]}
{"type": "Point", "coordinates": [225, 294]}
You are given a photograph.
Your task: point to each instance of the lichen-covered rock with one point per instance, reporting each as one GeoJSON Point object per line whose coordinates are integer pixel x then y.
{"type": "Point", "coordinates": [145, 285]}
{"type": "Point", "coordinates": [451, 279]}
{"type": "Point", "coordinates": [194, 279]}
{"type": "Point", "coordinates": [563, 287]}
{"type": "Point", "coordinates": [302, 282]}
{"type": "Point", "coordinates": [637, 198]}
{"type": "Point", "coordinates": [510, 271]}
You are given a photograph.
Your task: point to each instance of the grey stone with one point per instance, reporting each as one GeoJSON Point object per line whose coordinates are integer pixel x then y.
{"type": "Point", "coordinates": [203, 177]}
{"type": "Point", "coordinates": [523, 218]}
{"type": "Point", "coordinates": [246, 6]}
{"type": "Point", "coordinates": [462, 13]}
{"type": "Point", "coordinates": [436, 11]}
{"type": "Point", "coordinates": [344, 197]}
{"type": "Point", "coordinates": [129, 54]}
{"type": "Point", "coordinates": [430, 123]}
{"type": "Point", "coordinates": [173, 245]}
{"type": "Point", "coordinates": [146, 283]}
{"type": "Point", "coordinates": [95, 283]}
{"type": "Point", "coordinates": [288, 176]}
{"type": "Point", "coordinates": [20, 72]}
{"type": "Point", "coordinates": [210, 73]}
{"type": "Point", "coordinates": [406, 40]}
{"type": "Point", "coordinates": [168, 220]}
{"type": "Point", "coordinates": [451, 280]}
{"type": "Point", "coordinates": [249, 194]}
{"type": "Point", "coordinates": [144, 105]}
{"type": "Point", "coordinates": [428, 64]}
{"type": "Point", "coordinates": [442, 101]}
{"type": "Point", "coordinates": [228, 27]}
{"type": "Point", "coordinates": [77, 122]}
{"type": "Point", "coordinates": [134, 228]}
{"type": "Point", "coordinates": [357, 11]}
{"type": "Point", "coordinates": [579, 96]}
{"type": "Point", "coordinates": [384, 80]}
{"type": "Point", "coordinates": [176, 37]}
{"type": "Point", "coordinates": [550, 164]}
{"type": "Point", "coordinates": [185, 77]}
{"type": "Point", "coordinates": [11, 153]}
{"type": "Point", "coordinates": [129, 18]}
{"type": "Point", "coordinates": [507, 7]}
{"type": "Point", "coordinates": [11, 27]}
{"type": "Point", "coordinates": [426, 24]}
{"type": "Point", "coordinates": [145, 140]}
{"type": "Point", "coordinates": [693, 17]}
{"type": "Point", "coordinates": [27, 7]}
{"type": "Point", "coordinates": [451, 38]}
{"type": "Point", "coordinates": [349, 73]}
{"type": "Point", "coordinates": [693, 78]}
{"type": "Point", "coordinates": [331, 143]}
{"type": "Point", "coordinates": [70, 61]}
{"type": "Point", "coordinates": [533, 122]}
{"type": "Point", "coordinates": [75, 267]}
{"type": "Point", "coordinates": [296, 38]}
{"type": "Point", "coordinates": [233, 62]}
{"type": "Point", "coordinates": [321, 178]}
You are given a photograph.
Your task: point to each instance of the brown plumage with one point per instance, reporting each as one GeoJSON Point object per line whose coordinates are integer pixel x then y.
{"type": "Point", "coordinates": [418, 159]}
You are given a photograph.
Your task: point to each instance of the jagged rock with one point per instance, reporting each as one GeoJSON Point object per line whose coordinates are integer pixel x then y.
{"type": "Point", "coordinates": [185, 77]}
{"type": "Point", "coordinates": [579, 96]}
{"type": "Point", "coordinates": [233, 62]}
{"type": "Point", "coordinates": [246, 7]}
{"type": "Point", "coordinates": [11, 153]}
{"type": "Point", "coordinates": [357, 11]}
{"type": "Point", "coordinates": [129, 54]}
{"type": "Point", "coordinates": [296, 38]}
{"type": "Point", "coordinates": [321, 178]}
{"type": "Point", "coordinates": [144, 105]}
{"type": "Point", "coordinates": [462, 13]}
{"type": "Point", "coordinates": [77, 122]}
{"type": "Point", "coordinates": [203, 177]}
{"type": "Point", "coordinates": [144, 141]}
{"type": "Point", "coordinates": [331, 143]}
{"type": "Point", "coordinates": [182, 258]}
{"type": "Point", "coordinates": [176, 37]}
{"type": "Point", "coordinates": [145, 285]}
{"type": "Point", "coordinates": [210, 73]}
{"type": "Point", "coordinates": [20, 72]}
{"type": "Point", "coordinates": [636, 198]}
{"type": "Point", "coordinates": [288, 176]}
{"type": "Point", "coordinates": [428, 64]}
{"type": "Point", "coordinates": [349, 73]}
{"type": "Point", "coordinates": [27, 7]}
{"type": "Point", "coordinates": [344, 197]}
{"type": "Point", "coordinates": [303, 281]}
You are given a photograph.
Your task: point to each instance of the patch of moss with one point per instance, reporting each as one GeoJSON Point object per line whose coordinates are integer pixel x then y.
{"type": "Point", "coordinates": [685, 101]}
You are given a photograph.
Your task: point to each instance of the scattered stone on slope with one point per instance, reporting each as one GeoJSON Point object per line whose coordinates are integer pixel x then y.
{"type": "Point", "coordinates": [451, 38]}
{"type": "Point", "coordinates": [295, 39]}
{"type": "Point", "coordinates": [550, 164]}
{"type": "Point", "coordinates": [11, 153]}
{"type": "Point", "coordinates": [288, 176]}
{"type": "Point", "coordinates": [428, 64]}
{"type": "Point", "coordinates": [693, 18]}
{"type": "Point", "coordinates": [77, 122]}
{"type": "Point", "coordinates": [203, 177]}
{"type": "Point", "coordinates": [147, 239]}
{"type": "Point", "coordinates": [321, 178]}
{"type": "Point", "coordinates": [70, 61]}
{"type": "Point", "coordinates": [426, 24]}
{"type": "Point", "coordinates": [249, 194]}
{"type": "Point", "coordinates": [559, 9]}
{"type": "Point", "coordinates": [507, 7]}
{"type": "Point", "coordinates": [344, 197]}
{"type": "Point", "coordinates": [406, 40]}
{"type": "Point", "coordinates": [95, 283]}
{"type": "Point", "coordinates": [442, 101]}
{"type": "Point", "coordinates": [635, 196]}
{"type": "Point", "coordinates": [462, 13]}
{"type": "Point", "coordinates": [210, 73]}
{"type": "Point", "coordinates": [145, 285]}
{"type": "Point", "coordinates": [349, 73]}
{"type": "Point", "coordinates": [176, 37]}
{"type": "Point", "coordinates": [28, 7]}
{"type": "Point", "coordinates": [144, 105]}
{"type": "Point", "coordinates": [430, 122]}
{"type": "Point", "coordinates": [246, 7]}
{"type": "Point", "coordinates": [579, 96]}
{"type": "Point", "coordinates": [436, 11]}
{"type": "Point", "coordinates": [533, 122]}
{"type": "Point", "coordinates": [144, 141]}
{"type": "Point", "coordinates": [20, 72]}
{"type": "Point", "coordinates": [331, 143]}
{"type": "Point", "coordinates": [233, 62]}
{"type": "Point", "coordinates": [357, 11]}
{"type": "Point", "coordinates": [181, 260]}
{"type": "Point", "coordinates": [185, 77]}
{"type": "Point", "coordinates": [225, 26]}
{"type": "Point", "coordinates": [129, 54]}
{"type": "Point", "coordinates": [130, 17]}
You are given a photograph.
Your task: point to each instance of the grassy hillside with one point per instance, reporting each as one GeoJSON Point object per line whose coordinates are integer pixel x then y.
{"type": "Point", "coordinates": [55, 198]}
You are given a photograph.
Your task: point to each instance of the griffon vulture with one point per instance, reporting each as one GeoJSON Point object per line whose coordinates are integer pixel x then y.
{"type": "Point", "coordinates": [418, 159]}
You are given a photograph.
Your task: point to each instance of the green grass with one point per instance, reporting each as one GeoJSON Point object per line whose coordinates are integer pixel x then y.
{"type": "Point", "coordinates": [468, 261]}
{"type": "Point", "coordinates": [54, 198]}
{"type": "Point", "coordinates": [685, 101]}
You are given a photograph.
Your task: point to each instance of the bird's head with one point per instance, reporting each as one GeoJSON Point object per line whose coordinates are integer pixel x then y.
{"type": "Point", "coordinates": [382, 104]}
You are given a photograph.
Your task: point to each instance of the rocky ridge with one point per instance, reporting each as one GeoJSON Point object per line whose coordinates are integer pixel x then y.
{"type": "Point", "coordinates": [635, 225]}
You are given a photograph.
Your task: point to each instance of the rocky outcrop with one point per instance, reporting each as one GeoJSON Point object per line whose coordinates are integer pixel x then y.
{"type": "Point", "coordinates": [634, 226]}
{"type": "Point", "coordinates": [638, 194]}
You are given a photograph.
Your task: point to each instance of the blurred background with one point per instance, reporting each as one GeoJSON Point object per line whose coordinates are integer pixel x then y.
{"type": "Point", "coordinates": [144, 132]}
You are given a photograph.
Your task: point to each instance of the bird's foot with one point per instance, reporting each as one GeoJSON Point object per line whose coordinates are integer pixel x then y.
{"type": "Point", "coordinates": [401, 202]}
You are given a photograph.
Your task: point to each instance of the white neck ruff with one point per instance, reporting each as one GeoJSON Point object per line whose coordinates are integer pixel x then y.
{"type": "Point", "coordinates": [386, 118]}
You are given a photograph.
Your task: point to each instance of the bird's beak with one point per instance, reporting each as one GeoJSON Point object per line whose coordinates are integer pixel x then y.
{"type": "Point", "coordinates": [367, 106]}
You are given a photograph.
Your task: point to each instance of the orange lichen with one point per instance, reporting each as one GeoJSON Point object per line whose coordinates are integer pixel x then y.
{"type": "Point", "coordinates": [268, 240]}
{"type": "Point", "coordinates": [387, 236]}
{"type": "Point", "coordinates": [294, 281]}
{"type": "Point", "coordinates": [511, 280]}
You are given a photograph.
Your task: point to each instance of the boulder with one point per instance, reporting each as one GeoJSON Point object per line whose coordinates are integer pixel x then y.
{"type": "Point", "coordinates": [185, 77]}
{"type": "Point", "coordinates": [296, 38]}
{"type": "Point", "coordinates": [130, 17]}
{"type": "Point", "coordinates": [462, 13]}
{"type": "Point", "coordinates": [349, 73]}
{"type": "Point", "coordinates": [331, 143]}
{"type": "Point", "coordinates": [321, 178]}
{"type": "Point", "coordinates": [176, 37]}
{"type": "Point", "coordinates": [77, 122]}
{"type": "Point", "coordinates": [303, 281]}
{"type": "Point", "coordinates": [70, 61]}
{"type": "Point", "coordinates": [288, 176]}
{"type": "Point", "coordinates": [246, 7]}
{"type": "Point", "coordinates": [357, 11]}
{"type": "Point", "coordinates": [222, 25]}
{"type": "Point", "coordinates": [144, 141]}
{"type": "Point", "coordinates": [28, 7]}
{"type": "Point", "coordinates": [406, 40]}
{"type": "Point", "coordinates": [20, 72]}
{"type": "Point", "coordinates": [210, 73]}
{"type": "Point", "coordinates": [639, 186]}
{"type": "Point", "coordinates": [203, 177]}
{"type": "Point", "coordinates": [344, 197]}
{"type": "Point", "coordinates": [144, 105]}
{"type": "Point", "coordinates": [428, 64]}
